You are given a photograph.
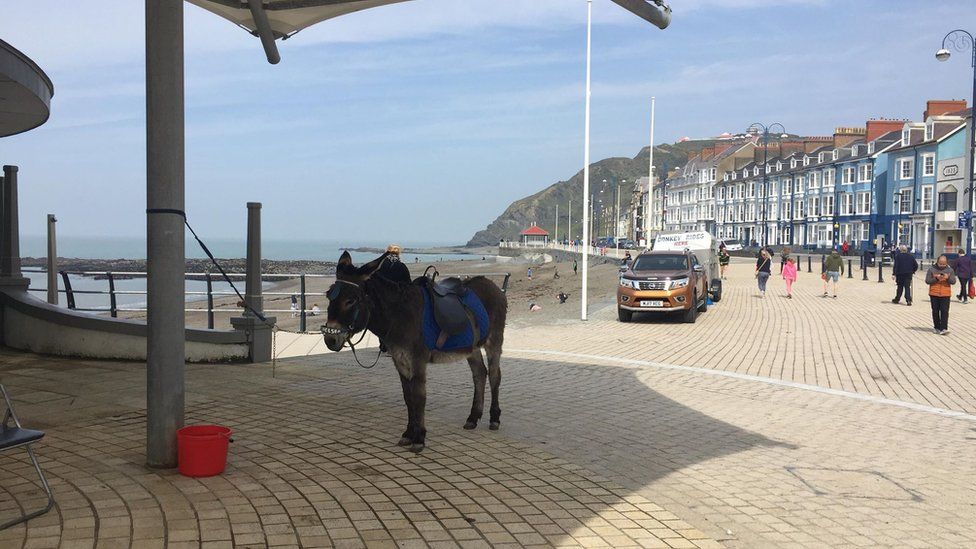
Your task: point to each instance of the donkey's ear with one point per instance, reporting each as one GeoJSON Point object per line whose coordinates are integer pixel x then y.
{"type": "Point", "coordinates": [345, 260]}
{"type": "Point", "coordinates": [368, 269]}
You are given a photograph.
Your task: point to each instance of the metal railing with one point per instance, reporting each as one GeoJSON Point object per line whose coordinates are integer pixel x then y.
{"type": "Point", "coordinates": [301, 311]}
{"type": "Point", "coordinates": [614, 252]}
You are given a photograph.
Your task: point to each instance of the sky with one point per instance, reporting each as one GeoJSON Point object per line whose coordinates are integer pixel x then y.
{"type": "Point", "coordinates": [421, 122]}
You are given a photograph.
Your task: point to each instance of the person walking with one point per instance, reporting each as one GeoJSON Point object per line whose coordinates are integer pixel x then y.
{"type": "Point", "coordinates": [789, 275]}
{"type": "Point", "coordinates": [762, 271]}
{"type": "Point", "coordinates": [784, 254]}
{"type": "Point", "coordinates": [723, 261]}
{"type": "Point", "coordinates": [575, 267]}
{"type": "Point", "coordinates": [832, 269]}
{"type": "Point", "coordinates": [940, 278]}
{"type": "Point", "coordinates": [964, 272]}
{"type": "Point", "coordinates": [903, 269]}
{"type": "Point", "coordinates": [845, 248]}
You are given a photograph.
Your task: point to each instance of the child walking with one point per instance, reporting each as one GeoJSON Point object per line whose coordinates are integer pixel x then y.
{"type": "Point", "coordinates": [789, 275]}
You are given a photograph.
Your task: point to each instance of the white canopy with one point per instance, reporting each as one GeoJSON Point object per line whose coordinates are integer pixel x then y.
{"type": "Point", "coordinates": [287, 16]}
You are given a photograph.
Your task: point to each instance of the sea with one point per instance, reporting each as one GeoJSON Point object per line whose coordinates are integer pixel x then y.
{"type": "Point", "coordinates": [135, 248]}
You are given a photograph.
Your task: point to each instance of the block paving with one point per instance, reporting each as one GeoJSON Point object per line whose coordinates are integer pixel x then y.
{"type": "Point", "coordinates": [770, 422]}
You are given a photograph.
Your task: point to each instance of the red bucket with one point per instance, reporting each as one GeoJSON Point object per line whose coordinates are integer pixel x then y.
{"type": "Point", "coordinates": [202, 450]}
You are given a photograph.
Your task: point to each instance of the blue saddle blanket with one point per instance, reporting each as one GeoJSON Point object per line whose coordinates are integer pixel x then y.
{"type": "Point", "coordinates": [464, 340]}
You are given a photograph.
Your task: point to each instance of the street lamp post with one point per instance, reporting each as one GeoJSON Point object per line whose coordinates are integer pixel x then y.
{"type": "Point", "coordinates": [765, 180]}
{"type": "Point", "coordinates": [959, 40]}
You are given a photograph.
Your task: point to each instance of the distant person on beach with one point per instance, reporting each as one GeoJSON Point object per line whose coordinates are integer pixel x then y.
{"type": "Point", "coordinates": [392, 268]}
{"type": "Point", "coordinates": [534, 308]}
{"type": "Point", "coordinates": [315, 309]}
{"type": "Point", "coordinates": [294, 306]}
{"type": "Point", "coordinates": [529, 273]}
{"type": "Point", "coordinates": [562, 297]}
{"type": "Point", "coordinates": [555, 274]}
{"type": "Point", "coordinates": [789, 275]}
{"type": "Point", "coordinates": [575, 267]}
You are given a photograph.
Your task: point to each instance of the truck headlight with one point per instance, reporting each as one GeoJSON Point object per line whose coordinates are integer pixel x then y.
{"type": "Point", "coordinates": [628, 283]}
{"type": "Point", "coordinates": [679, 283]}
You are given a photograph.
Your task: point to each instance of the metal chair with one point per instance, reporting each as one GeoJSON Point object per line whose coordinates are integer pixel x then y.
{"type": "Point", "coordinates": [15, 436]}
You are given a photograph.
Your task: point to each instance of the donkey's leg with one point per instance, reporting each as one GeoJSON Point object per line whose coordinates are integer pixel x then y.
{"type": "Point", "coordinates": [479, 374]}
{"type": "Point", "coordinates": [419, 386]}
{"type": "Point", "coordinates": [406, 438]}
{"type": "Point", "coordinates": [494, 352]}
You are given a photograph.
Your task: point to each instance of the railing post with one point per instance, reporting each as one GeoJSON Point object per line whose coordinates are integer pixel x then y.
{"type": "Point", "coordinates": [210, 304]}
{"type": "Point", "coordinates": [112, 306]}
{"type": "Point", "coordinates": [10, 231]}
{"type": "Point", "coordinates": [864, 269]}
{"type": "Point", "coordinates": [809, 264]}
{"type": "Point", "coordinates": [880, 268]}
{"type": "Point", "coordinates": [69, 294]}
{"type": "Point", "coordinates": [505, 282]}
{"type": "Point", "coordinates": [301, 317]}
{"type": "Point", "coordinates": [52, 261]}
{"type": "Point", "coordinates": [260, 331]}
{"type": "Point", "coordinates": [850, 274]}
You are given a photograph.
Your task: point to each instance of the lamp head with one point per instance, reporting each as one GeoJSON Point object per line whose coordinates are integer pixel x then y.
{"type": "Point", "coordinates": [942, 55]}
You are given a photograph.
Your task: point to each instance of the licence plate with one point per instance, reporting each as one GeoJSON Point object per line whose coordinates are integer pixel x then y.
{"type": "Point", "coordinates": [652, 303]}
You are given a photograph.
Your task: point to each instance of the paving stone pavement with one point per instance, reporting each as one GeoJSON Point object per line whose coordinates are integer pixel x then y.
{"type": "Point", "coordinates": [625, 447]}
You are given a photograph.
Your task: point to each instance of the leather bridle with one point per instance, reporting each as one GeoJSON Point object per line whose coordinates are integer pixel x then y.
{"type": "Point", "coordinates": [350, 329]}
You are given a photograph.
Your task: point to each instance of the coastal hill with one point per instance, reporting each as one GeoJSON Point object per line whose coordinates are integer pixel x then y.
{"type": "Point", "coordinates": [540, 208]}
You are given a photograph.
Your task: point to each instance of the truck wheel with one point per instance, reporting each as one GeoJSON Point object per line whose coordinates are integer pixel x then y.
{"type": "Point", "coordinates": [691, 315]}
{"type": "Point", "coordinates": [703, 308]}
{"type": "Point", "coordinates": [716, 288]}
{"type": "Point", "coordinates": [624, 315]}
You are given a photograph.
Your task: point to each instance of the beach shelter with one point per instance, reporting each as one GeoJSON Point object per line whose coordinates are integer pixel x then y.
{"type": "Point", "coordinates": [25, 92]}
{"type": "Point", "coordinates": [535, 236]}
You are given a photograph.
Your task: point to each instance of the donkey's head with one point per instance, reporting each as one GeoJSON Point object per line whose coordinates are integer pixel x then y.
{"type": "Point", "coordinates": [348, 311]}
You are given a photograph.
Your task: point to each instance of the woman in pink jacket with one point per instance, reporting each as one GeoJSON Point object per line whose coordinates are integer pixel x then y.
{"type": "Point", "coordinates": [789, 275]}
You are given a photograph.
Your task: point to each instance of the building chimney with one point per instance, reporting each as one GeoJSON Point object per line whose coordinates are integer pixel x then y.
{"type": "Point", "coordinates": [878, 127]}
{"type": "Point", "coordinates": [811, 144]}
{"type": "Point", "coordinates": [846, 135]}
{"type": "Point", "coordinates": [935, 107]}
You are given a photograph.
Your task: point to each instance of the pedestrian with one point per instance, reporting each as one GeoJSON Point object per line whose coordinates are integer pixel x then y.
{"type": "Point", "coordinates": [723, 260]}
{"type": "Point", "coordinates": [903, 269]}
{"type": "Point", "coordinates": [575, 267]}
{"type": "Point", "coordinates": [762, 271]}
{"type": "Point", "coordinates": [315, 309]}
{"type": "Point", "coordinates": [562, 297]}
{"type": "Point", "coordinates": [789, 275]}
{"type": "Point", "coordinates": [940, 278]}
{"type": "Point", "coordinates": [392, 268]}
{"type": "Point", "coordinates": [832, 269]}
{"type": "Point", "coordinates": [784, 255]}
{"type": "Point", "coordinates": [845, 247]}
{"type": "Point", "coordinates": [529, 272]}
{"type": "Point", "coordinates": [294, 306]}
{"type": "Point", "coordinates": [964, 271]}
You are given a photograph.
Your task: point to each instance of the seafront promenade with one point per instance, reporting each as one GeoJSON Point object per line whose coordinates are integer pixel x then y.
{"type": "Point", "coordinates": [770, 422]}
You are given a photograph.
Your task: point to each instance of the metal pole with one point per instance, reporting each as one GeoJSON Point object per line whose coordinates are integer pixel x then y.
{"type": "Point", "coordinates": [264, 31]}
{"type": "Point", "coordinates": [210, 304]}
{"type": "Point", "coordinates": [648, 222]}
{"type": "Point", "coordinates": [972, 153]}
{"type": "Point", "coordinates": [252, 282]}
{"type": "Point", "coordinates": [586, 159]}
{"type": "Point", "coordinates": [616, 217]}
{"type": "Point", "coordinates": [112, 304]}
{"type": "Point", "coordinates": [302, 316]}
{"type": "Point", "coordinates": [166, 259]}
{"type": "Point", "coordinates": [52, 261]}
{"type": "Point", "coordinates": [569, 226]}
{"type": "Point", "coordinates": [555, 234]}
{"type": "Point", "coordinates": [764, 184]}
{"type": "Point", "coordinates": [10, 256]}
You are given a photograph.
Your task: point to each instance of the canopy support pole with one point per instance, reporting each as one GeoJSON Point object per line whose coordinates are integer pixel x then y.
{"type": "Point", "coordinates": [165, 253]}
{"type": "Point", "coordinates": [264, 31]}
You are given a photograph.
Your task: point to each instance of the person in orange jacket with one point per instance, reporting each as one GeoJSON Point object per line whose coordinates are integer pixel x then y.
{"type": "Point", "coordinates": [940, 278]}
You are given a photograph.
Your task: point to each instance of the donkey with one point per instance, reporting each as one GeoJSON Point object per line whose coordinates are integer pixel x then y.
{"type": "Point", "coordinates": [362, 299]}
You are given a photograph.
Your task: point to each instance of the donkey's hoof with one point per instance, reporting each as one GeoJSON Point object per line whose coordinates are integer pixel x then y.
{"type": "Point", "coordinates": [417, 447]}
{"type": "Point", "coordinates": [494, 425]}
{"type": "Point", "coordinates": [468, 425]}
{"type": "Point", "coordinates": [405, 441]}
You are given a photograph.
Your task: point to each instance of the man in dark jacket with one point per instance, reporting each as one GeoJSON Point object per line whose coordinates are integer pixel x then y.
{"type": "Point", "coordinates": [964, 272]}
{"type": "Point", "coordinates": [903, 268]}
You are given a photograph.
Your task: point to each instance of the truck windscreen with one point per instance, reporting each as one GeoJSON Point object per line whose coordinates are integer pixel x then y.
{"type": "Point", "coordinates": [660, 263]}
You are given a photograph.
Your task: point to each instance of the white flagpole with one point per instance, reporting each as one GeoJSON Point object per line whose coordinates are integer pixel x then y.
{"type": "Point", "coordinates": [556, 234]}
{"type": "Point", "coordinates": [650, 183]}
{"type": "Point", "coordinates": [586, 160]}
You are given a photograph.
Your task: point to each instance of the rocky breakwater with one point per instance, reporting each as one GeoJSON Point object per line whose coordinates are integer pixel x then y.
{"type": "Point", "coordinates": [119, 267]}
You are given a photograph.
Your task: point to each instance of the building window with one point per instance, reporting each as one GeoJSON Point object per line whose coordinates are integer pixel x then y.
{"type": "Point", "coordinates": [871, 147]}
{"type": "Point", "coordinates": [755, 170]}
{"type": "Point", "coordinates": [928, 164]}
{"type": "Point", "coordinates": [779, 166]}
{"type": "Point", "coordinates": [788, 186]}
{"type": "Point", "coordinates": [906, 137]}
{"type": "Point", "coordinates": [865, 172]}
{"type": "Point", "coordinates": [814, 180]}
{"type": "Point", "coordinates": [848, 175]}
{"type": "Point", "coordinates": [752, 190]}
{"type": "Point", "coordinates": [798, 208]}
{"type": "Point", "coordinates": [725, 177]}
{"type": "Point", "coordinates": [828, 178]}
{"type": "Point", "coordinates": [846, 204]}
{"type": "Point", "coordinates": [947, 200]}
{"type": "Point", "coordinates": [813, 206]}
{"type": "Point", "coordinates": [711, 174]}
{"type": "Point", "coordinates": [905, 201]}
{"type": "Point", "coordinates": [863, 203]}
{"type": "Point", "coordinates": [793, 163]}
{"type": "Point", "coordinates": [828, 205]}
{"type": "Point", "coordinates": [929, 131]}
{"type": "Point", "coordinates": [905, 168]}
{"type": "Point", "coordinates": [806, 160]}
{"type": "Point", "coordinates": [927, 191]}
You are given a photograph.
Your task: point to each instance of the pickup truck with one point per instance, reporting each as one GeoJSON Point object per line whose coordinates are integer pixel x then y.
{"type": "Point", "coordinates": [664, 282]}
